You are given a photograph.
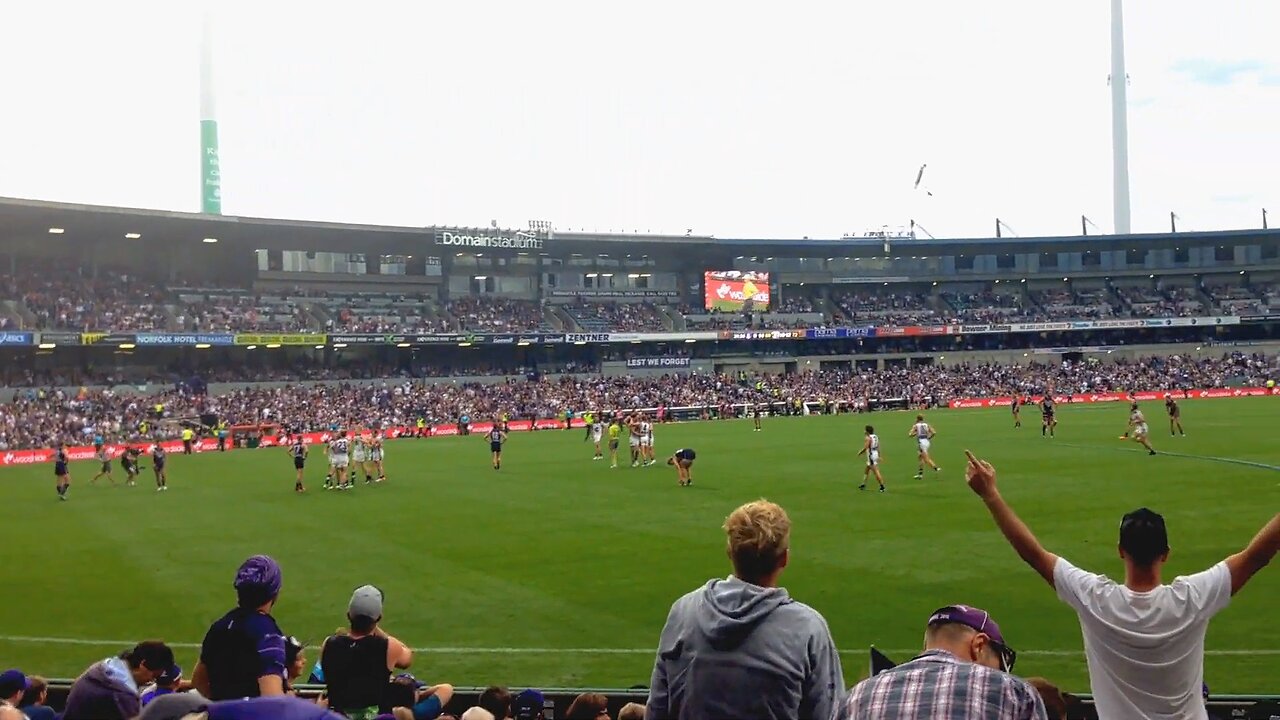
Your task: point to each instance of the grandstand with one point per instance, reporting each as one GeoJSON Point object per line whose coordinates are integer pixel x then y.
{"type": "Point", "coordinates": [282, 327]}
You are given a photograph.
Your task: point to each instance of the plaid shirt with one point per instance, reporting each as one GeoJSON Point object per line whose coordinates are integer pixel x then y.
{"type": "Point", "coordinates": [937, 686]}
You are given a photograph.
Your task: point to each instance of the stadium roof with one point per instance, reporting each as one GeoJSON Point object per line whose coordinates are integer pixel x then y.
{"type": "Point", "coordinates": [31, 220]}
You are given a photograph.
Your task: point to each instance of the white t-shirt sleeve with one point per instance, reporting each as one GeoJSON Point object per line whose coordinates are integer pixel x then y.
{"type": "Point", "coordinates": [1208, 591]}
{"type": "Point", "coordinates": [1074, 586]}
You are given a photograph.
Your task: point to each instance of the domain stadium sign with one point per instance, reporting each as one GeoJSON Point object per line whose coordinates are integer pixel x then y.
{"type": "Point", "coordinates": [475, 239]}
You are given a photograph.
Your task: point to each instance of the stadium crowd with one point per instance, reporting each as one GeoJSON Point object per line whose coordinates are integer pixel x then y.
{"type": "Point", "coordinates": [43, 417]}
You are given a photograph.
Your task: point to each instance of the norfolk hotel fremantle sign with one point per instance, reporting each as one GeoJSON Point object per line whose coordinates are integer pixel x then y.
{"type": "Point", "coordinates": [467, 238]}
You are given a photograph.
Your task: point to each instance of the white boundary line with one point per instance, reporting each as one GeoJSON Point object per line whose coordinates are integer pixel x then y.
{"type": "Point", "coordinates": [572, 651]}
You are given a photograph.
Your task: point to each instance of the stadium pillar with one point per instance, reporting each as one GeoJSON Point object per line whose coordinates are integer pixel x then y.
{"type": "Point", "coordinates": [210, 171]}
{"type": "Point", "coordinates": [1119, 122]}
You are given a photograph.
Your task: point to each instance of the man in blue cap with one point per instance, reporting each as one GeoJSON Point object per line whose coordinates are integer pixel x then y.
{"type": "Point", "coordinates": [528, 705]}
{"type": "Point", "coordinates": [165, 684]}
{"type": "Point", "coordinates": [965, 670]}
{"type": "Point", "coordinates": [243, 653]}
{"type": "Point", "coordinates": [13, 683]}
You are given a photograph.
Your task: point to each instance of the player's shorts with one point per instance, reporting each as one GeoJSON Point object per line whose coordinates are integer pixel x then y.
{"type": "Point", "coordinates": [596, 435]}
{"type": "Point", "coordinates": [106, 466]}
{"type": "Point", "coordinates": [613, 444]}
{"type": "Point", "coordinates": [646, 441]}
{"type": "Point", "coordinates": [495, 447]}
{"type": "Point", "coordinates": [60, 469]}
{"type": "Point", "coordinates": [873, 458]}
{"type": "Point", "coordinates": [635, 441]}
{"type": "Point", "coordinates": [339, 461]}
{"type": "Point", "coordinates": [359, 457]}
{"type": "Point", "coordinates": [299, 462]}
{"type": "Point", "coordinates": [1048, 417]}
{"type": "Point", "coordinates": [375, 456]}
{"type": "Point", "coordinates": [924, 444]}
{"type": "Point", "coordinates": [128, 466]}
{"type": "Point", "coordinates": [157, 466]}
{"type": "Point", "coordinates": [1140, 430]}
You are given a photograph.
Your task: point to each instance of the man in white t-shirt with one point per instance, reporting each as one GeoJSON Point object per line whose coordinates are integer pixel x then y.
{"type": "Point", "coordinates": [1144, 640]}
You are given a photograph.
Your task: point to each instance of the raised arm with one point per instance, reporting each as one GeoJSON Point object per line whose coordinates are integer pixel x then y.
{"type": "Point", "coordinates": [1253, 558]}
{"type": "Point", "coordinates": [982, 480]}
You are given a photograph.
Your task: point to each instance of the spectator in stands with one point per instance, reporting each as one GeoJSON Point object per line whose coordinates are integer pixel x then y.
{"type": "Point", "coordinates": [1144, 640]}
{"type": "Point", "coordinates": [588, 706]}
{"type": "Point", "coordinates": [358, 664]}
{"type": "Point", "coordinates": [165, 684]}
{"type": "Point", "coordinates": [411, 699]}
{"type": "Point", "coordinates": [742, 647]}
{"type": "Point", "coordinates": [13, 687]}
{"type": "Point", "coordinates": [528, 705]}
{"type": "Point", "coordinates": [497, 700]}
{"type": "Point", "coordinates": [631, 711]}
{"type": "Point", "coordinates": [1056, 702]}
{"type": "Point", "coordinates": [108, 690]}
{"type": "Point", "coordinates": [477, 713]}
{"type": "Point", "coordinates": [965, 664]}
{"type": "Point", "coordinates": [34, 699]}
{"type": "Point", "coordinates": [243, 653]}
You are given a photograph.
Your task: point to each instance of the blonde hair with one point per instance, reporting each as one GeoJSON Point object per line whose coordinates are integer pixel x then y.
{"type": "Point", "coordinates": [759, 535]}
{"type": "Point", "coordinates": [631, 711]}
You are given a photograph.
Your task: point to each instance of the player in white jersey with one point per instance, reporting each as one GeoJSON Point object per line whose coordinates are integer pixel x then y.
{"type": "Point", "coordinates": [359, 458]}
{"type": "Point", "coordinates": [376, 455]}
{"type": "Point", "coordinates": [597, 434]}
{"type": "Point", "coordinates": [871, 448]}
{"type": "Point", "coordinates": [646, 441]}
{"type": "Point", "coordinates": [1138, 427]}
{"type": "Point", "coordinates": [923, 433]}
{"type": "Point", "coordinates": [633, 425]}
{"type": "Point", "coordinates": [339, 461]}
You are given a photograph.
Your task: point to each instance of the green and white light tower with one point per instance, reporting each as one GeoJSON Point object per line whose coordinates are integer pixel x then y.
{"type": "Point", "coordinates": [210, 170]}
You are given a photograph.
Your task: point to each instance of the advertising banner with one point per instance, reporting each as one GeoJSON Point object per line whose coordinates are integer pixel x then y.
{"type": "Point", "coordinates": [912, 330]}
{"type": "Point", "coordinates": [836, 333]}
{"type": "Point", "coordinates": [1142, 396]}
{"type": "Point", "coordinates": [733, 290]}
{"type": "Point", "coordinates": [17, 338]}
{"type": "Point", "coordinates": [658, 362]}
{"type": "Point", "coordinates": [101, 338]}
{"type": "Point", "coordinates": [60, 338]}
{"type": "Point", "coordinates": [616, 293]}
{"type": "Point", "coordinates": [281, 339]}
{"type": "Point", "coordinates": [761, 334]}
{"type": "Point", "coordinates": [517, 240]}
{"type": "Point", "coordinates": [184, 339]}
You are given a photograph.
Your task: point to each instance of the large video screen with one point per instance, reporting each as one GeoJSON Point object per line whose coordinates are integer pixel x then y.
{"type": "Point", "coordinates": [735, 290]}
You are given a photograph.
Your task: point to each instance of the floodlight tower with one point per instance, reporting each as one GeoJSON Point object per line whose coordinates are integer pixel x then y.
{"type": "Point", "coordinates": [1119, 122]}
{"type": "Point", "coordinates": [210, 171]}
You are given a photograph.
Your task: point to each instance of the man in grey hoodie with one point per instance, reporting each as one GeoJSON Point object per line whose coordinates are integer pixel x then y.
{"type": "Point", "coordinates": [741, 647]}
{"type": "Point", "coordinates": [109, 689]}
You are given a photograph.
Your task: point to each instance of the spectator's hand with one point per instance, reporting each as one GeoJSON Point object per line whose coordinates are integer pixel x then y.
{"type": "Point", "coordinates": [323, 701]}
{"type": "Point", "coordinates": [980, 475]}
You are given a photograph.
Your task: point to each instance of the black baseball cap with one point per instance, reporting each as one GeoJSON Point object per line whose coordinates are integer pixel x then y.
{"type": "Point", "coordinates": [1143, 536]}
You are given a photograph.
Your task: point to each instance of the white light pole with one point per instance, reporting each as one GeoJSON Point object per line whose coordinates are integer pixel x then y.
{"type": "Point", "coordinates": [1119, 122]}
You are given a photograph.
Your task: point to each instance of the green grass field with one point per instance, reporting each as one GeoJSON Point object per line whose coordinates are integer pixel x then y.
{"type": "Point", "coordinates": [558, 571]}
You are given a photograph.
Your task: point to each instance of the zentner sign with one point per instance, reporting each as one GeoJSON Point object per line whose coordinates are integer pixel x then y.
{"type": "Point", "coordinates": [519, 241]}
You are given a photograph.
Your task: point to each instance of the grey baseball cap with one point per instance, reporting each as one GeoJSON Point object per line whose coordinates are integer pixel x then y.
{"type": "Point", "coordinates": [366, 601]}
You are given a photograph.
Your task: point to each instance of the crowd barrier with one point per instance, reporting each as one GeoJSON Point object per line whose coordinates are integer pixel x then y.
{"type": "Point", "coordinates": [205, 444]}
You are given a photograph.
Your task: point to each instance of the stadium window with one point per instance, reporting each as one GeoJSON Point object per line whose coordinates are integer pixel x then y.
{"type": "Point", "coordinates": [1005, 262]}
{"type": "Point", "coordinates": [1135, 256]}
{"type": "Point", "coordinates": [1048, 260]}
{"type": "Point", "coordinates": [1224, 253]}
{"type": "Point", "coordinates": [964, 262]}
{"type": "Point", "coordinates": [1270, 252]}
{"type": "Point", "coordinates": [1181, 255]}
{"type": "Point", "coordinates": [1090, 258]}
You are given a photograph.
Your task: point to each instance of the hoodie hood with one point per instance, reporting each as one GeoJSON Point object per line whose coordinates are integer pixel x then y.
{"type": "Point", "coordinates": [116, 671]}
{"type": "Point", "coordinates": [732, 608]}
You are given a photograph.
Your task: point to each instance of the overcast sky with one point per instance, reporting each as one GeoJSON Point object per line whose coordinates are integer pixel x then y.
{"type": "Point", "coordinates": [738, 119]}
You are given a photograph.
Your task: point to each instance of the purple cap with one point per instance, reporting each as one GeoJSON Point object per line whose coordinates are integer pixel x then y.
{"type": "Point", "coordinates": [261, 573]}
{"type": "Point", "coordinates": [527, 705]}
{"type": "Point", "coordinates": [11, 682]}
{"type": "Point", "coordinates": [973, 617]}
